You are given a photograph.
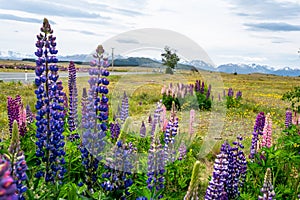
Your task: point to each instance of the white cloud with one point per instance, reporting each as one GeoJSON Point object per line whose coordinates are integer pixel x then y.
{"type": "Point", "coordinates": [216, 25]}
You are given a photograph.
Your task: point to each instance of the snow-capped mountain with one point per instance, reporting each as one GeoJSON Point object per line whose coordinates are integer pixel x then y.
{"type": "Point", "coordinates": [148, 62]}
{"type": "Point", "coordinates": [14, 55]}
{"type": "Point", "coordinates": [246, 68]}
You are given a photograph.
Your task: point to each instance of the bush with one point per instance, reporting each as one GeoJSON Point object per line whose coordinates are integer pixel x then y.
{"type": "Point", "coordinates": [167, 101]}
{"type": "Point", "coordinates": [204, 103]}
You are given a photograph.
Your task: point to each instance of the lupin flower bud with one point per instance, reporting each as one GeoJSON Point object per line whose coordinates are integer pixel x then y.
{"type": "Point", "coordinates": [50, 110]}
{"type": "Point", "coordinates": [192, 193]}
{"type": "Point", "coordinates": [267, 190]}
{"type": "Point", "coordinates": [143, 130]}
{"type": "Point", "coordinates": [73, 98]}
{"type": "Point", "coordinates": [267, 132]}
{"type": "Point", "coordinates": [288, 118]}
{"type": "Point", "coordinates": [258, 129]}
{"type": "Point", "coordinates": [7, 186]}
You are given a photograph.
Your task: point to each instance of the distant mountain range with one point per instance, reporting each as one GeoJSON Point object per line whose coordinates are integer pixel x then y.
{"type": "Point", "coordinates": [192, 65]}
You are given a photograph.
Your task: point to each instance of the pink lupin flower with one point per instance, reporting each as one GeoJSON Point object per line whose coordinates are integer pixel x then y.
{"type": "Point", "coordinates": [192, 120]}
{"type": "Point", "coordinates": [163, 117]}
{"type": "Point", "coordinates": [295, 119]}
{"type": "Point", "coordinates": [267, 132]}
{"type": "Point", "coordinates": [163, 90]}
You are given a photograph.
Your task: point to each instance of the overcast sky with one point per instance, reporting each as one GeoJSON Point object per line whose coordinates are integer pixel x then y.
{"type": "Point", "coordinates": [230, 31]}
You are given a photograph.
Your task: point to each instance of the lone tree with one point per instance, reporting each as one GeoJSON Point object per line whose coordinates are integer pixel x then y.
{"type": "Point", "coordinates": [170, 59]}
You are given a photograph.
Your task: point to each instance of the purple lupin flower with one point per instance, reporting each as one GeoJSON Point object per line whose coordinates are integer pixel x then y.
{"type": "Point", "coordinates": [50, 110]}
{"type": "Point", "coordinates": [182, 151]}
{"type": "Point", "coordinates": [124, 108]}
{"type": "Point", "coordinates": [237, 168]}
{"type": "Point", "coordinates": [73, 99]}
{"type": "Point", "coordinates": [84, 109]}
{"type": "Point", "coordinates": [288, 118]}
{"type": "Point", "coordinates": [16, 112]}
{"type": "Point", "coordinates": [156, 167]}
{"type": "Point", "coordinates": [7, 186]}
{"type": "Point", "coordinates": [197, 85]}
{"type": "Point", "coordinates": [230, 92]}
{"type": "Point", "coordinates": [156, 118]}
{"type": "Point", "coordinates": [119, 168]}
{"type": "Point", "coordinates": [202, 88]}
{"type": "Point", "coordinates": [258, 129]}
{"type": "Point", "coordinates": [115, 130]}
{"type": "Point", "coordinates": [143, 130]}
{"type": "Point", "coordinates": [169, 136]}
{"type": "Point", "coordinates": [217, 185]}
{"type": "Point", "coordinates": [239, 95]}
{"type": "Point", "coordinates": [29, 115]}
{"type": "Point", "coordinates": [96, 116]}
{"type": "Point", "coordinates": [267, 190]}
{"type": "Point", "coordinates": [208, 92]}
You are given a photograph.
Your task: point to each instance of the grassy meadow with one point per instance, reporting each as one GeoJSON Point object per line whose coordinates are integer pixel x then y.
{"type": "Point", "coordinates": [260, 93]}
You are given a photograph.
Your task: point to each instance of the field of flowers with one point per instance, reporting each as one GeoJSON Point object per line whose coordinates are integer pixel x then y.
{"type": "Point", "coordinates": [152, 136]}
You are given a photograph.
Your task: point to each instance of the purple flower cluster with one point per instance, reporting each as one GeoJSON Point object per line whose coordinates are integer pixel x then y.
{"type": "Point", "coordinates": [267, 190]}
{"type": "Point", "coordinates": [49, 105]}
{"type": "Point", "coordinates": [20, 174]}
{"type": "Point", "coordinates": [237, 168]}
{"type": "Point", "coordinates": [258, 130]}
{"type": "Point", "coordinates": [229, 172]}
{"type": "Point", "coordinates": [156, 167]}
{"type": "Point", "coordinates": [115, 129]}
{"type": "Point", "coordinates": [124, 113]}
{"type": "Point", "coordinates": [29, 115]}
{"type": "Point", "coordinates": [230, 92]}
{"type": "Point", "coordinates": [119, 168]}
{"type": "Point", "coordinates": [169, 136]}
{"type": "Point", "coordinates": [16, 112]}
{"type": "Point", "coordinates": [73, 98]}
{"type": "Point", "coordinates": [143, 130]}
{"type": "Point", "coordinates": [217, 186]}
{"type": "Point", "coordinates": [95, 116]}
{"type": "Point", "coordinates": [182, 151]}
{"type": "Point", "coordinates": [288, 118]}
{"type": "Point", "coordinates": [239, 95]}
{"type": "Point", "coordinates": [7, 186]}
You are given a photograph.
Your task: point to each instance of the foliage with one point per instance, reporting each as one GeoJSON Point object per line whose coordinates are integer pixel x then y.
{"type": "Point", "coordinates": [284, 160]}
{"type": "Point", "coordinates": [169, 58]}
{"type": "Point", "coordinates": [293, 97]}
{"type": "Point", "coordinates": [167, 100]}
{"type": "Point", "coordinates": [204, 103]}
